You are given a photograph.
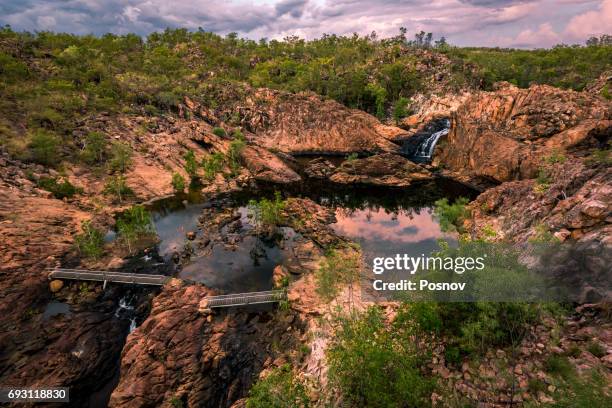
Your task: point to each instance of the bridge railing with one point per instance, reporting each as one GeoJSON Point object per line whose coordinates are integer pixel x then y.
{"type": "Point", "coordinates": [107, 276]}
{"type": "Point", "coordinates": [243, 299]}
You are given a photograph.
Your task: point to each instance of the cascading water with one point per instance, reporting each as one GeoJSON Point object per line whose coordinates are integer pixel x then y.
{"type": "Point", "coordinates": [427, 147]}
{"type": "Point", "coordinates": [125, 310]}
{"type": "Point", "coordinates": [420, 147]}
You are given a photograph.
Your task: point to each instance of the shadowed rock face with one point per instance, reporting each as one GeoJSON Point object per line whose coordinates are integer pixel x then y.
{"type": "Point", "coordinates": [180, 354]}
{"type": "Point", "coordinates": [504, 135]}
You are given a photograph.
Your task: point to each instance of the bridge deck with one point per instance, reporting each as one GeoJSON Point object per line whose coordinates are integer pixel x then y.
{"type": "Point", "coordinates": [242, 299]}
{"type": "Point", "coordinates": [107, 276]}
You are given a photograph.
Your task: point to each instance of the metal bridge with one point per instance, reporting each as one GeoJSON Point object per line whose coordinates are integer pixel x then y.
{"type": "Point", "coordinates": [209, 302]}
{"type": "Point", "coordinates": [108, 276]}
{"type": "Point", "coordinates": [243, 299]}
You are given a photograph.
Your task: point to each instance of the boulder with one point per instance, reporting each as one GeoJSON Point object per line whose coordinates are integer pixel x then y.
{"type": "Point", "coordinates": [385, 169]}
{"type": "Point", "coordinates": [56, 285]}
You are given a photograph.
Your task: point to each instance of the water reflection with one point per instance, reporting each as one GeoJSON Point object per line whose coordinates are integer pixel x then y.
{"type": "Point", "coordinates": [384, 221]}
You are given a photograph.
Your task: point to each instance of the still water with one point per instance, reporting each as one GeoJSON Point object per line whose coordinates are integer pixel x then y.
{"type": "Point", "coordinates": [383, 221]}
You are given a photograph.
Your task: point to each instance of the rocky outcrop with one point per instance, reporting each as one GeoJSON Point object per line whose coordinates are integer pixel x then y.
{"type": "Point", "coordinates": [387, 169]}
{"type": "Point", "coordinates": [305, 123]}
{"type": "Point", "coordinates": [39, 350]}
{"type": "Point", "coordinates": [164, 148]}
{"type": "Point", "coordinates": [319, 168]}
{"type": "Point", "coordinates": [575, 202]}
{"type": "Point", "coordinates": [504, 135]}
{"type": "Point", "coordinates": [427, 108]}
{"type": "Point", "coordinates": [180, 355]}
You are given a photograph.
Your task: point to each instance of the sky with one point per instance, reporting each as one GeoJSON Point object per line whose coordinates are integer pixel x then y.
{"type": "Point", "coordinates": [504, 23]}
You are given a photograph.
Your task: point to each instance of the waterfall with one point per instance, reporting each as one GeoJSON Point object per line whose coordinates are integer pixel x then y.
{"type": "Point", "coordinates": [426, 148]}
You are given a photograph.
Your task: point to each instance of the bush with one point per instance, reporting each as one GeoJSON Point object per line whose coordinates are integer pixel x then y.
{"type": "Point", "coordinates": [596, 349]}
{"type": "Point", "coordinates": [400, 110]}
{"type": "Point", "coordinates": [555, 157]}
{"type": "Point", "coordinates": [191, 165]}
{"type": "Point", "coordinates": [44, 148]}
{"type": "Point", "coordinates": [543, 181]}
{"type": "Point", "coordinates": [90, 242]}
{"type": "Point", "coordinates": [60, 189]}
{"type": "Point", "coordinates": [234, 154]}
{"type": "Point", "coordinates": [266, 212]}
{"type": "Point", "coordinates": [134, 225]}
{"type": "Point", "coordinates": [121, 157]}
{"type": "Point", "coordinates": [219, 132]}
{"type": "Point", "coordinates": [279, 389]}
{"type": "Point", "coordinates": [592, 391]}
{"type": "Point", "coordinates": [118, 187]}
{"type": "Point", "coordinates": [601, 156]}
{"type": "Point", "coordinates": [336, 269]}
{"type": "Point", "coordinates": [238, 135]}
{"type": "Point", "coordinates": [451, 216]}
{"type": "Point", "coordinates": [178, 183]}
{"type": "Point", "coordinates": [95, 148]}
{"type": "Point", "coordinates": [377, 366]}
{"type": "Point", "coordinates": [559, 366]}
{"type": "Point", "coordinates": [212, 165]}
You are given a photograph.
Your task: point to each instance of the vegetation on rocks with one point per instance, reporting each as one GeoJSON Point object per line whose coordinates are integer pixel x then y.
{"type": "Point", "coordinates": [278, 389]}
{"type": "Point", "coordinates": [178, 182]}
{"type": "Point", "coordinates": [267, 213]}
{"type": "Point", "coordinates": [451, 216]}
{"type": "Point", "coordinates": [375, 365]}
{"type": "Point", "coordinates": [60, 187]}
{"type": "Point", "coordinates": [117, 187]}
{"type": "Point", "coordinates": [51, 82]}
{"type": "Point", "coordinates": [90, 242]}
{"type": "Point", "coordinates": [134, 226]}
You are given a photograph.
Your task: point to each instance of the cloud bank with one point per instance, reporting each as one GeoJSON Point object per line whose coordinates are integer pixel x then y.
{"type": "Point", "coordinates": [506, 23]}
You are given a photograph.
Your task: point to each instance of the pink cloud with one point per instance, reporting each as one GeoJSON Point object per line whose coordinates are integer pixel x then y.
{"type": "Point", "coordinates": [591, 23]}
{"type": "Point", "coordinates": [544, 35]}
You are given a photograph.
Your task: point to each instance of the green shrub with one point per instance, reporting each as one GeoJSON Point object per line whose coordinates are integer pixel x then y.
{"type": "Point", "coordinates": [279, 389]}
{"type": "Point", "coordinates": [377, 366]}
{"type": "Point", "coordinates": [543, 181]}
{"type": "Point", "coordinates": [559, 366]}
{"type": "Point", "coordinates": [266, 212]}
{"type": "Point", "coordinates": [90, 242]}
{"type": "Point", "coordinates": [219, 132]}
{"type": "Point", "coordinates": [95, 148]}
{"type": "Point", "coordinates": [134, 225]}
{"type": "Point", "coordinates": [44, 148]}
{"type": "Point", "coordinates": [601, 156]}
{"type": "Point", "coordinates": [178, 182]}
{"type": "Point", "coordinates": [591, 390]}
{"type": "Point", "coordinates": [238, 135]}
{"type": "Point", "coordinates": [234, 154]}
{"type": "Point", "coordinates": [191, 165]}
{"type": "Point", "coordinates": [605, 92]}
{"type": "Point", "coordinates": [212, 165]}
{"type": "Point", "coordinates": [352, 157]}
{"type": "Point", "coordinates": [118, 187]}
{"type": "Point", "coordinates": [596, 349]}
{"type": "Point", "coordinates": [451, 216]}
{"type": "Point", "coordinates": [400, 109]}
{"type": "Point", "coordinates": [337, 268]}
{"type": "Point", "coordinates": [121, 157]}
{"type": "Point", "coordinates": [555, 157]}
{"type": "Point", "coordinates": [60, 189]}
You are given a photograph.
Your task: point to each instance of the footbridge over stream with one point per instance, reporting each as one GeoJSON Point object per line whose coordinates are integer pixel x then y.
{"type": "Point", "coordinates": [209, 302]}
